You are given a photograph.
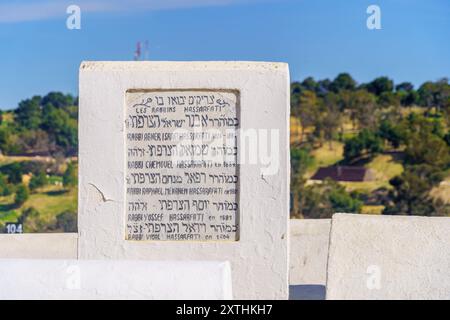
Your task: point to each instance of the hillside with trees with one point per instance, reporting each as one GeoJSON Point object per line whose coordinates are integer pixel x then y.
{"type": "Point", "coordinates": [38, 164]}
{"type": "Point", "coordinates": [398, 133]}
{"type": "Point", "coordinates": [395, 132]}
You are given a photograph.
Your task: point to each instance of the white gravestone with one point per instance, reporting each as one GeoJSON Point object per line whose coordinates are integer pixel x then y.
{"type": "Point", "coordinates": [187, 161]}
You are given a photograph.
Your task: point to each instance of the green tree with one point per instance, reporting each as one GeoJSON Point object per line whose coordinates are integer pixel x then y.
{"type": "Point", "coordinates": [343, 81]}
{"type": "Point", "coordinates": [411, 191]}
{"type": "Point", "coordinates": [307, 110]}
{"type": "Point", "coordinates": [365, 106]}
{"type": "Point", "coordinates": [38, 180]}
{"type": "Point", "coordinates": [66, 221]}
{"type": "Point", "coordinates": [426, 94]}
{"type": "Point", "coordinates": [442, 96]}
{"type": "Point", "coordinates": [380, 85]}
{"type": "Point", "coordinates": [331, 117]}
{"type": "Point", "coordinates": [323, 200]}
{"type": "Point", "coordinates": [5, 188]}
{"type": "Point", "coordinates": [6, 137]}
{"type": "Point", "coordinates": [323, 86]}
{"type": "Point", "coordinates": [58, 100]}
{"type": "Point", "coordinates": [309, 84]}
{"type": "Point", "coordinates": [361, 106]}
{"type": "Point", "coordinates": [427, 148]}
{"type": "Point", "coordinates": [316, 204]}
{"type": "Point", "coordinates": [29, 141]}
{"type": "Point", "coordinates": [424, 139]}
{"type": "Point", "coordinates": [22, 195]}
{"type": "Point", "coordinates": [342, 201]}
{"type": "Point", "coordinates": [391, 133]}
{"type": "Point", "coordinates": [29, 113]}
{"type": "Point", "coordinates": [70, 176]}
{"type": "Point", "coordinates": [32, 221]}
{"type": "Point", "coordinates": [14, 172]}
{"type": "Point", "coordinates": [296, 89]}
{"type": "Point", "coordinates": [389, 99]}
{"type": "Point", "coordinates": [447, 138]}
{"type": "Point", "coordinates": [366, 144]}
{"type": "Point", "coordinates": [301, 159]}
{"type": "Point", "coordinates": [404, 86]}
{"type": "Point", "coordinates": [61, 127]}
{"type": "Point", "coordinates": [408, 96]}
{"type": "Point", "coordinates": [435, 94]}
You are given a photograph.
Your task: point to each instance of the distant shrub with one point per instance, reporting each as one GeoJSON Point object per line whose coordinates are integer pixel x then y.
{"type": "Point", "coordinates": [22, 195]}
{"type": "Point", "coordinates": [38, 181]}
{"type": "Point", "coordinates": [31, 221]}
{"type": "Point", "coordinates": [66, 221]}
{"type": "Point", "coordinates": [5, 188]}
{"type": "Point", "coordinates": [366, 143]}
{"type": "Point", "coordinates": [13, 171]}
{"type": "Point", "coordinates": [70, 176]}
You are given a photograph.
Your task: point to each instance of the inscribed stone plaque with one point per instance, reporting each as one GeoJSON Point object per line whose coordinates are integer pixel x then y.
{"type": "Point", "coordinates": [181, 165]}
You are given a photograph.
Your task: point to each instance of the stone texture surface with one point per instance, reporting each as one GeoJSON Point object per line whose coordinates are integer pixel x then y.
{"type": "Point", "coordinates": [388, 257]}
{"type": "Point", "coordinates": [39, 246]}
{"type": "Point", "coordinates": [86, 279]}
{"type": "Point", "coordinates": [165, 131]}
{"type": "Point", "coordinates": [309, 251]}
{"type": "Point", "coordinates": [309, 241]}
{"type": "Point", "coordinates": [259, 260]}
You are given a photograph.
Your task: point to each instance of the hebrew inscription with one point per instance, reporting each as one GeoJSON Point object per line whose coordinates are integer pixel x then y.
{"type": "Point", "coordinates": [182, 174]}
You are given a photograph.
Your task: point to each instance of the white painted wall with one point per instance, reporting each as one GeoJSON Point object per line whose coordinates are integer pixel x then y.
{"type": "Point", "coordinates": [412, 253]}
{"type": "Point", "coordinates": [39, 246]}
{"type": "Point", "coordinates": [259, 260]}
{"type": "Point", "coordinates": [308, 254]}
{"type": "Point", "coordinates": [309, 241]}
{"type": "Point", "coordinates": [110, 279]}
{"type": "Point", "coordinates": [389, 257]}
{"type": "Point", "coordinates": [309, 251]}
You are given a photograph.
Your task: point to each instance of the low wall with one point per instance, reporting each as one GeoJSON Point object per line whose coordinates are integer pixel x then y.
{"type": "Point", "coordinates": [388, 257]}
{"type": "Point", "coordinates": [39, 246]}
{"type": "Point", "coordinates": [308, 253]}
{"type": "Point", "coordinates": [371, 257]}
{"type": "Point", "coordinates": [109, 279]}
{"type": "Point", "coordinates": [309, 240]}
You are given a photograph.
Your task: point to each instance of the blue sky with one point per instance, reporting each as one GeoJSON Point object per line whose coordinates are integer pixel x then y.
{"type": "Point", "coordinates": [318, 38]}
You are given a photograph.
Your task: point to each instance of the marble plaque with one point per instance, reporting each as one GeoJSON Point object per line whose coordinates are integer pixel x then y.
{"type": "Point", "coordinates": [182, 174]}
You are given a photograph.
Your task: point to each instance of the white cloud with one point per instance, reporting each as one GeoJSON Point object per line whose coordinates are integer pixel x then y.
{"type": "Point", "coordinates": [33, 10]}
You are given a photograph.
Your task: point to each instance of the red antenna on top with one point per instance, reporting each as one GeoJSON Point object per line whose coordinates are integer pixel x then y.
{"type": "Point", "coordinates": [141, 53]}
{"type": "Point", "coordinates": [137, 53]}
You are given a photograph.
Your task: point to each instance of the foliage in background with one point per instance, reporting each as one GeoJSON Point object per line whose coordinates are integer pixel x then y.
{"type": "Point", "coordinates": [22, 195]}
{"type": "Point", "coordinates": [70, 176]}
{"type": "Point", "coordinates": [372, 118]}
{"type": "Point", "coordinates": [365, 119]}
{"type": "Point", "coordinates": [41, 125]}
{"type": "Point", "coordinates": [37, 181]}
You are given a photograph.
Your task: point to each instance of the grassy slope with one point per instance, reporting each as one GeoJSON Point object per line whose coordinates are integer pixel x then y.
{"type": "Point", "coordinates": [49, 201]}
{"type": "Point", "coordinates": [295, 130]}
{"type": "Point", "coordinates": [326, 156]}
{"type": "Point", "coordinates": [385, 167]}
